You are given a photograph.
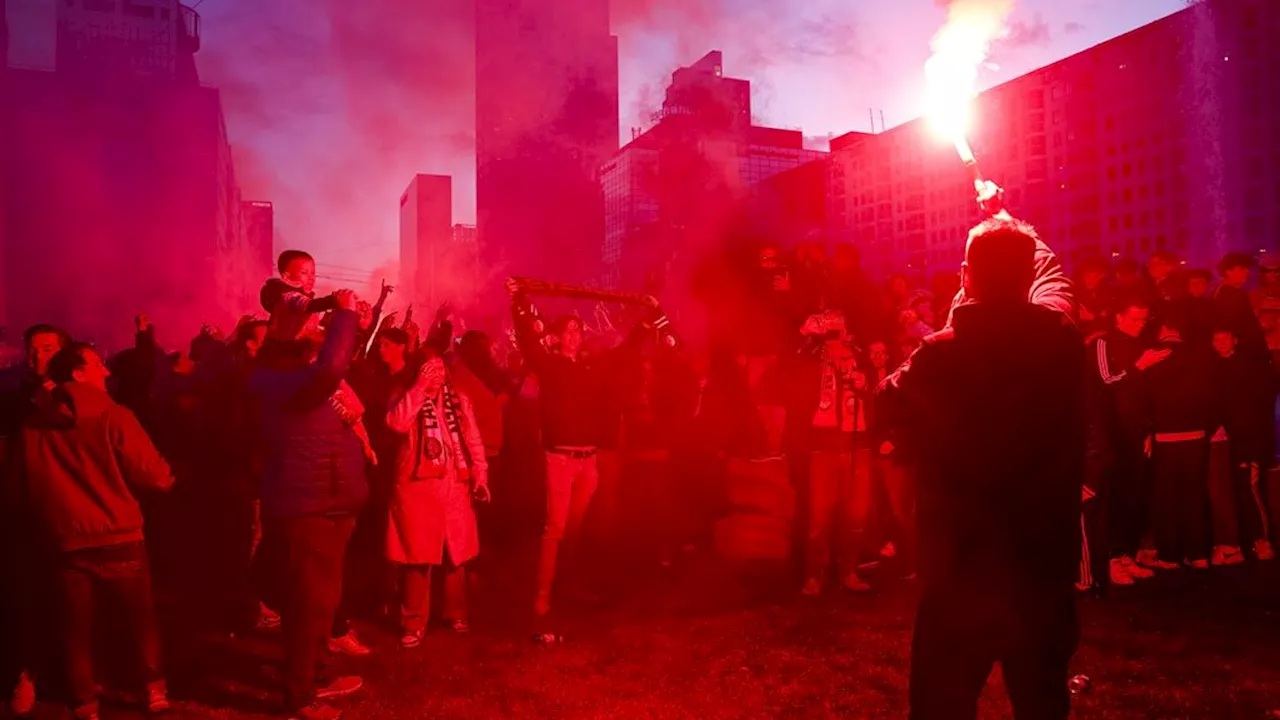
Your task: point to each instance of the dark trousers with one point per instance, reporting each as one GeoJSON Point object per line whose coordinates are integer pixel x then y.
{"type": "Point", "coordinates": [312, 550]}
{"type": "Point", "coordinates": [1129, 496]}
{"type": "Point", "coordinates": [1238, 497]}
{"type": "Point", "coordinates": [1180, 499]}
{"type": "Point", "coordinates": [961, 632]}
{"type": "Point", "coordinates": [113, 582]}
{"type": "Point", "coordinates": [1097, 477]}
{"type": "Point", "coordinates": [415, 594]}
{"type": "Point", "coordinates": [1222, 496]}
{"type": "Point", "coordinates": [368, 582]}
{"type": "Point", "coordinates": [25, 618]}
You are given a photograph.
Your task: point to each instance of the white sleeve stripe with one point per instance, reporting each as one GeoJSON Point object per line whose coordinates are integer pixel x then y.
{"type": "Point", "coordinates": [1103, 367]}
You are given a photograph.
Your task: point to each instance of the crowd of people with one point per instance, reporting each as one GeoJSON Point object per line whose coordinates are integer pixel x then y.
{"type": "Point", "coordinates": [325, 461]}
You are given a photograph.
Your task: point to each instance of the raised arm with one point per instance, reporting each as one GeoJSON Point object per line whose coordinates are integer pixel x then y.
{"type": "Point", "coordinates": [406, 404]}
{"type": "Point", "coordinates": [331, 366]}
{"type": "Point", "coordinates": [528, 328]}
{"type": "Point", "coordinates": [440, 336]}
{"type": "Point", "coordinates": [1051, 288]}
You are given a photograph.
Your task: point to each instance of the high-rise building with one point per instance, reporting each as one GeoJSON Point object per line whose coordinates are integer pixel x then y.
{"type": "Point", "coordinates": [1166, 137]}
{"type": "Point", "coordinates": [426, 234]}
{"type": "Point", "coordinates": [260, 236]}
{"type": "Point", "coordinates": [156, 38]}
{"type": "Point", "coordinates": [683, 183]}
{"type": "Point", "coordinates": [117, 183]}
{"type": "Point", "coordinates": [546, 120]}
{"type": "Point", "coordinates": [122, 199]}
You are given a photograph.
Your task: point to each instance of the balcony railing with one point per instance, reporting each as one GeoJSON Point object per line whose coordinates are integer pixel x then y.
{"type": "Point", "coordinates": [190, 27]}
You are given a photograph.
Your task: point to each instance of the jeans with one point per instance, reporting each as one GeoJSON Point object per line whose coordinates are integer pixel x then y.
{"type": "Point", "coordinates": [961, 632]}
{"type": "Point", "coordinates": [900, 487]}
{"type": "Point", "coordinates": [312, 550]}
{"type": "Point", "coordinates": [571, 483]}
{"type": "Point", "coordinates": [118, 579]}
{"type": "Point", "coordinates": [839, 506]}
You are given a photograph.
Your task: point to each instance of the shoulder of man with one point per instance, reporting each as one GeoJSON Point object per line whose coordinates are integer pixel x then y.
{"type": "Point", "coordinates": [940, 337]}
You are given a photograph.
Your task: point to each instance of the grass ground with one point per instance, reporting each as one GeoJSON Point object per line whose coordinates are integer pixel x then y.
{"type": "Point", "coordinates": [696, 645]}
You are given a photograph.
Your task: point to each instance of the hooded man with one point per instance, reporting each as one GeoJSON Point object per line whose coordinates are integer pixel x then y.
{"type": "Point", "coordinates": [83, 456]}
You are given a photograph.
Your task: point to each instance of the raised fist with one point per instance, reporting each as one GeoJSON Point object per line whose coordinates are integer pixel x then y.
{"type": "Point", "coordinates": [345, 299]}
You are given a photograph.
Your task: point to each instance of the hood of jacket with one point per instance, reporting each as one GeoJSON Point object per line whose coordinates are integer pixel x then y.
{"type": "Point", "coordinates": [61, 407]}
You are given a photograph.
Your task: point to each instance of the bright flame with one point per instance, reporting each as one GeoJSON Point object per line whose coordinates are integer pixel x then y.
{"type": "Point", "coordinates": [959, 50]}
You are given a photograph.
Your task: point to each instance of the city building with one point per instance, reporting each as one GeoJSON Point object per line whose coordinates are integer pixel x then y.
{"type": "Point", "coordinates": [1167, 137]}
{"type": "Point", "coordinates": [793, 205]}
{"type": "Point", "coordinates": [465, 236]}
{"type": "Point", "coordinates": [681, 184]}
{"type": "Point", "coordinates": [157, 38]}
{"type": "Point", "coordinates": [426, 234]}
{"type": "Point", "coordinates": [118, 194]}
{"type": "Point", "coordinates": [260, 236]}
{"type": "Point", "coordinates": [546, 120]}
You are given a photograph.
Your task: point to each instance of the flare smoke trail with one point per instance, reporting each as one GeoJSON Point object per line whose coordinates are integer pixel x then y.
{"type": "Point", "coordinates": [960, 49]}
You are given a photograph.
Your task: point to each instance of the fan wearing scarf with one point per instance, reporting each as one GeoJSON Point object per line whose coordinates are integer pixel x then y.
{"type": "Point", "coordinates": [440, 470]}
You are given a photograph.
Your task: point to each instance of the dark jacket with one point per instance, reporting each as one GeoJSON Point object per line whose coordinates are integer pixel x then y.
{"type": "Point", "coordinates": [313, 463]}
{"type": "Point", "coordinates": [994, 411]}
{"type": "Point", "coordinates": [82, 457]}
{"type": "Point", "coordinates": [1246, 397]}
{"type": "Point", "coordinates": [1125, 404]}
{"type": "Point", "coordinates": [1184, 396]}
{"type": "Point", "coordinates": [578, 407]}
{"type": "Point", "coordinates": [1052, 288]}
{"type": "Point", "coordinates": [1234, 312]}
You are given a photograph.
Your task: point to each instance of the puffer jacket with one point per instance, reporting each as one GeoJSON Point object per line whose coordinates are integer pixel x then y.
{"type": "Point", "coordinates": [82, 457]}
{"type": "Point", "coordinates": [313, 463]}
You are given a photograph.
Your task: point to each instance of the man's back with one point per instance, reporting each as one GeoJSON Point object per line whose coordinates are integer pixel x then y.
{"type": "Point", "coordinates": [995, 410]}
{"type": "Point", "coordinates": [82, 456]}
{"type": "Point", "coordinates": [313, 464]}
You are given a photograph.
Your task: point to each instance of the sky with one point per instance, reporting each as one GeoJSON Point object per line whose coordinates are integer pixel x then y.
{"type": "Point", "coordinates": [333, 105]}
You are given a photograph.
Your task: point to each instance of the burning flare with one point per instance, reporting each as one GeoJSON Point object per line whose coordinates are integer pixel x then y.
{"type": "Point", "coordinates": [959, 50]}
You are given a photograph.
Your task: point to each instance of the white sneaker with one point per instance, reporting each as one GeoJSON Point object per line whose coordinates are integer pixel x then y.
{"type": "Point", "coordinates": [349, 644]}
{"type": "Point", "coordinates": [853, 583]}
{"type": "Point", "coordinates": [1226, 555]}
{"type": "Point", "coordinates": [1119, 573]}
{"type": "Point", "coordinates": [1136, 571]}
{"type": "Point", "coordinates": [1200, 564]}
{"type": "Point", "coordinates": [1262, 549]}
{"type": "Point", "coordinates": [1151, 559]}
